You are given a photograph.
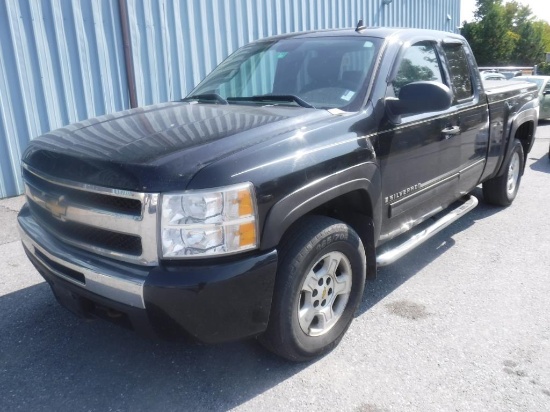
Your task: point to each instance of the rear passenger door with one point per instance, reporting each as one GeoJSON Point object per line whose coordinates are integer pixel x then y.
{"type": "Point", "coordinates": [473, 118]}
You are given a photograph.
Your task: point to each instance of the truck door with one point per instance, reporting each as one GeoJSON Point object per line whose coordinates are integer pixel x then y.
{"type": "Point", "coordinates": [418, 155]}
{"type": "Point", "coordinates": [473, 118]}
{"type": "Point", "coordinates": [545, 102]}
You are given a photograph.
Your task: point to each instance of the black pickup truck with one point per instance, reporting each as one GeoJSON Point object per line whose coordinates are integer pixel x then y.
{"type": "Point", "coordinates": [260, 204]}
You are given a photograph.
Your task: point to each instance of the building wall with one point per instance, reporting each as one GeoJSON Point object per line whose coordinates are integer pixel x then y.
{"type": "Point", "coordinates": [62, 61]}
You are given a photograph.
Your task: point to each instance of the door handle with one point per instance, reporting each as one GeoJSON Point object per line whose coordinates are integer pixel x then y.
{"type": "Point", "coordinates": [450, 131]}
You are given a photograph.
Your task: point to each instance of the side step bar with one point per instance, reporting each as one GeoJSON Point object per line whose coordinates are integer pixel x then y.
{"type": "Point", "coordinates": [399, 251]}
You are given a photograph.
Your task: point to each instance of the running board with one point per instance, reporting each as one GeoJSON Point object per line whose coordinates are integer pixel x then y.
{"type": "Point", "coordinates": [401, 250]}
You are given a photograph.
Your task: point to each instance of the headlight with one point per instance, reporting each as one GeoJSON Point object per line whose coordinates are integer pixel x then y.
{"type": "Point", "coordinates": [209, 222]}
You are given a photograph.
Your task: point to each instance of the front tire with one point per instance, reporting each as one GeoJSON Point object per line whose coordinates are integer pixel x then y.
{"type": "Point", "coordinates": [502, 190]}
{"type": "Point", "coordinates": [320, 282]}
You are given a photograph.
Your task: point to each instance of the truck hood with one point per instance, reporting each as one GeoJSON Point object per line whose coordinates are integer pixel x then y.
{"type": "Point", "coordinates": [159, 147]}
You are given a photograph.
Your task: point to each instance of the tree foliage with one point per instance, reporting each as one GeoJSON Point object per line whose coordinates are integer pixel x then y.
{"type": "Point", "coordinates": [408, 71]}
{"type": "Point", "coordinates": [544, 68]}
{"type": "Point", "coordinates": [507, 34]}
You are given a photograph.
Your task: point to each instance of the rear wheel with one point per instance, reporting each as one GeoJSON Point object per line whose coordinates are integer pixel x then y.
{"type": "Point", "coordinates": [502, 190]}
{"type": "Point", "coordinates": [320, 282]}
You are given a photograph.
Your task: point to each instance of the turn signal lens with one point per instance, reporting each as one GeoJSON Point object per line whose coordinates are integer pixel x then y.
{"type": "Point", "coordinates": [246, 207]}
{"type": "Point", "coordinates": [247, 234]}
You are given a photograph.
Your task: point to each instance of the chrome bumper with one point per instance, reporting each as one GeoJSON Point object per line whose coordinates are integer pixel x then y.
{"type": "Point", "coordinates": [104, 281]}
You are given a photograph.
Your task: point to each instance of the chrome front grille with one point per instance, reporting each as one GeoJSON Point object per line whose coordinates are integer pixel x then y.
{"type": "Point", "coordinates": [115, 223]}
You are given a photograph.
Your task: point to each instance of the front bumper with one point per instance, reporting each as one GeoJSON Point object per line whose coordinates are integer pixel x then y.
{"type": "Point", "coordinates": [211, 300]}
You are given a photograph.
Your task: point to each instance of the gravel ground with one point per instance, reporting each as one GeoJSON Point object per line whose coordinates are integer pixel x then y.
{"type": "Point", "coordinates": [460, 324]}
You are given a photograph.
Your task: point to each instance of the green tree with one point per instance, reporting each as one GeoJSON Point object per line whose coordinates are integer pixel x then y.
{"type": "Point", "coordinates": [545, 33]}
{"type": "Point", "coordinates": [544, 28]}
{"type": "Point", "coordinates": [530, 46]}
{"type": "Point", "coordinates": [490, 36]}
{"type": "Point", "coordinates": [506, 34]}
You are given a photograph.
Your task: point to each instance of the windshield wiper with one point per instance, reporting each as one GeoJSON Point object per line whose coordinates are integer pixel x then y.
{"type": "Point", "coordinates": [273, 98]}
{"type": "Point", "coordinates": [206, 96]}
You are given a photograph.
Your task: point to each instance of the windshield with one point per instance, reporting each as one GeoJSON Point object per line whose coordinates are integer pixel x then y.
{"type": "Point", "coordinates": [328, 72]}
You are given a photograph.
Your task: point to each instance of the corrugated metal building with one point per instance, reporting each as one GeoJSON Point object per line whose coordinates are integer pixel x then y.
{"type": "Point", "coordinates": [62, 61]}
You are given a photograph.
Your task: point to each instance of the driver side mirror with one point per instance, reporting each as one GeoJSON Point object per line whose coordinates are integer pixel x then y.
{"type": "Point", "coordinates": [420, 97]}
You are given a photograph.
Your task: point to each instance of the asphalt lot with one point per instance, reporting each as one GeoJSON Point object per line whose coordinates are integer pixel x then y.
{"type": "Point", "coordinates": [460, 324]}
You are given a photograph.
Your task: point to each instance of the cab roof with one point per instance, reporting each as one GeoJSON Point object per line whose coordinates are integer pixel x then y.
{"type": "Point", "coordinates": [378, 32]}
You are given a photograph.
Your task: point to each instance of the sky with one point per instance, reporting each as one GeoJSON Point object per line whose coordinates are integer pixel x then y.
{"type": "Point", "coordinates": [541, 9]}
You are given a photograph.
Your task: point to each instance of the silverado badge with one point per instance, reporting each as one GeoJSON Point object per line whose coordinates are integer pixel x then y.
{"type": "Point", "coordinates": [402, 193]}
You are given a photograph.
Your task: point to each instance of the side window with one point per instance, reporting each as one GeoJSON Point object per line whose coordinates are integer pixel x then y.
{"type": "Point", "coordinates": [460, 71]}
{"type": "Point", "coordinates": [420, 62]}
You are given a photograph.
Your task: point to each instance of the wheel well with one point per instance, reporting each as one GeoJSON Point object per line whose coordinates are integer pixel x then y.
{"type": "Point", "coordinates": [341, 207]}
{"type": "Point", "coordinates": [525, 134]}
{"type": "Point", "coordinates": [355, 209]}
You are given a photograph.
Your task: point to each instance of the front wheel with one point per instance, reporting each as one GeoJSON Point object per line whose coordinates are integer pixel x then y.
{"type": "Point", "coordinates": [320, 282]}
{"type": "Point", "coordinates": [502, 190]}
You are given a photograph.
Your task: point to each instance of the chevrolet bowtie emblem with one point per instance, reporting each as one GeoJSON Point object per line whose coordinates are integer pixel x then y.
{"type": "Point", "coordinates": [56, 206]}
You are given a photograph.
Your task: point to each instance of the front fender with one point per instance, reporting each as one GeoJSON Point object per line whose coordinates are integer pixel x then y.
{"type": "Point", "coordinates": [364, 177]}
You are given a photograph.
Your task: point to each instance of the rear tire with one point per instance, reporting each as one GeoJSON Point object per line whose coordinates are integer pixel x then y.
{"type": "Point", "coordinates": [320, 282]}
{"type": "Point", "coordinates": [502, 190]}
